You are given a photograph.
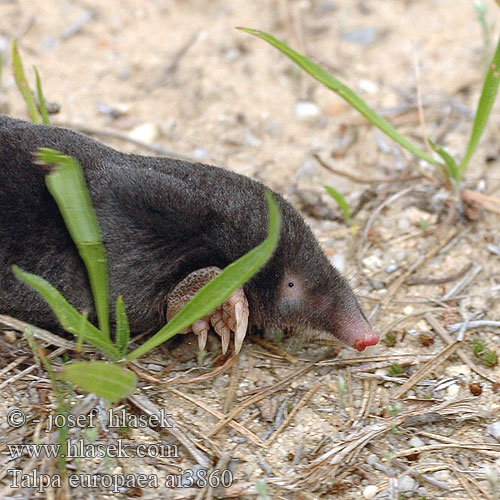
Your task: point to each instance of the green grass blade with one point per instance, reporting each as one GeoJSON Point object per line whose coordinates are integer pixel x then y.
{"type": "Point", "coordinates": [488, 95]}
{"type": "Point", "coordinates": [109, 381]}
{"type": "Point", "coordinates": [450, 164]}
{"type": "Point", "coordinates": [345, 92]}
{"type": "Point", "coordinates": [41, 98]}
{"type": "Point", "coordinates": [222, 286]}
{"type": "Point", "coordinates": [70, 319]}
{"type": "Point", "coordinates": [122, 327]}
{"type": "Point", "coordinates": [341, 201]}
{"type": "Point", "coordinates": [22, 84]}
{"type": "Point", "coordinates": [67, 185]}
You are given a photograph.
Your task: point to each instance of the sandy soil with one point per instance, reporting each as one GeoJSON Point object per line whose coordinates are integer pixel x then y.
{"type": "Point", "coordinates": [178, 75]}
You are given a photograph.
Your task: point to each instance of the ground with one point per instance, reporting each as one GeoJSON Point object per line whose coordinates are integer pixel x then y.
{"type": "Point", "coordinates": [178, 75]}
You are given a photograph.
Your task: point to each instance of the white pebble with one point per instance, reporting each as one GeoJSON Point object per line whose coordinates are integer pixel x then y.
{"type": "Point", "coordinates": [406, 483]}
{"type": "Point", "coordinates": [372, 262]}
{"type": "Point", "coordinates": [305, 110]}
{"type": "Point", "coordinates": [338, 261]}
{"type": "Point", "coordinates": [455, 370]}
{"type": "Point", "coordinates": [416, 442]}
{"type": "Point", "coordinates": [408, 310]}
{"type": "Point", "coordinates": [441, 475]}
{"type": "Point", "coordinates": [370, 491]}
{"type": "Point", "coordinates": [391, 268]}
{"type": "Point", "coordinates": [147, 132]}
{"type": "Point", "coordinates": [453, 390]}
{"type": "Point", "coordinates": [494, 430]}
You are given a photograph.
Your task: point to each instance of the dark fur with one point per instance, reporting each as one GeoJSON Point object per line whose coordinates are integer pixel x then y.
{"type": "Point", "coordinates": [161, 219]}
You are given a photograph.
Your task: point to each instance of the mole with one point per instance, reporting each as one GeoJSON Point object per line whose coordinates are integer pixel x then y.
{"type": "Point", "coordinates": [168, 227]}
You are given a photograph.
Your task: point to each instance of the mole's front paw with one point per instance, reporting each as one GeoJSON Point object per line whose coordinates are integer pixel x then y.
{"type": "Point", "coordinates": [232, 315]}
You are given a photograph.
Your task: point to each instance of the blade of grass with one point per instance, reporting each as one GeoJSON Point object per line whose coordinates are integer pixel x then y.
{"type": "Point", "coordinates": [109, 381]}
{"type": "Point", "coordinates": [449, 162]}
{"type": "Point", "coordinates": [341, 201]}
{"type": "Point", "coordinates": [41, 98]}
{"type": "Point", "coordinates": [70, 319]}
{"type": "Point", "coordinates": [67, 185]}
{"type": "Point", "coordinates": [345, 92]}
{"type": "Point", "coordinates": [488, 95]}
{"type": "Point", "coordinates": [222, 286]}
{"type": "Point", "coordinates": [122, 327]}
{"type": "Point", "coordinates": [22, 84]}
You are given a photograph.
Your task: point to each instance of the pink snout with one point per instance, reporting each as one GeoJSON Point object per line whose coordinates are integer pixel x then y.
{"type": "Point", "coordinates": [369, 338]}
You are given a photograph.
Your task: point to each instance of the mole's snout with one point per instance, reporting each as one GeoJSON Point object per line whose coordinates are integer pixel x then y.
{"type": "Point", "coordinates": [369, 338]}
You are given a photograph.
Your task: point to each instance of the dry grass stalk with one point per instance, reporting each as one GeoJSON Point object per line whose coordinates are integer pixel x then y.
{"type": "Point", "coordinates": [305, 399]}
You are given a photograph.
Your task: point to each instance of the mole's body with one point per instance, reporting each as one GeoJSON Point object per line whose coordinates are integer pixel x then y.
{"type": "Point", "coordinates": [161, 220]}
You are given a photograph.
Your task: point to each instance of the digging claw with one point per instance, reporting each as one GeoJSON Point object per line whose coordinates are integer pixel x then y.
{"type": "Point", "coordinates": [232, 316]}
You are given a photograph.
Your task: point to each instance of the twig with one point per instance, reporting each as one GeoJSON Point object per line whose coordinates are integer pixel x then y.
{"type": "Point", "coordinates": [433, 363]}
{"type": "Point", "coordinates": [150, 408]}
{"type": "Point", "coordinates": [155, 148]}
{"type": "Point", "coordinates": [234, 425]}
{"type": "Point", "coordinates": [275, 349]}
{"type": "Point", "coordinates": [233, 385]}
{"type": "Point", "coordinates": [276, 387]}
{"type": "Point", "coordinates": [434, 323]}
{"type": "Point", "coordinates": [477, 268]}
{"type": "Point", "coordinates": [366, 180]}
{"type": "Point", "coordinates": [438, 281]}
{"type": "Point", "coordinates": [394, 287]}
{"type": "Point", "coordinates": [455, 327]}
{"type": "Point", "coordinates": [375, 214]}
{"type": "Point", "coordinates": [487, 202]}
{"type": "Point", "coordinates": [309, 394]}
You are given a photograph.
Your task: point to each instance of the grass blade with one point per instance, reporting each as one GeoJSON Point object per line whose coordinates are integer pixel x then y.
{"type": "Point", "coordinates": [341, 201]}
{"type": "Point", "coordinates": [449, 162]}
{"type": "Point", "coordinates": [41, 98]}
{"type": "Point", "coordinates": [109, 381]}
{"type": "Point", "coordinates": [488, 95]}
{"type": "Point", "coordinates": [345, 92]}
{"type": "Point", "coordinates": [70, 319]}
{"type": "Point", "coordinates": [67, 185]}
{"type": "Point", "coordinates": [22, 84]}
{"type": "Point", "coordinates": [122, 327]}
{"type": "Point", "coordinates": [222, 286]}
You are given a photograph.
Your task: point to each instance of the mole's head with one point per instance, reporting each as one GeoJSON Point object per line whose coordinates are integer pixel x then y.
{"type": "Point", "coordinates": [300, 288]}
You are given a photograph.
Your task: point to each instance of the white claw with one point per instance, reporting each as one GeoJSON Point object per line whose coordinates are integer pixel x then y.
{"type": "Point", "coordinates": [202, 340]}
{"type": "Point", "coordinates": [225, 337]}
{"type": "Point", "coordinates": [241, 314]}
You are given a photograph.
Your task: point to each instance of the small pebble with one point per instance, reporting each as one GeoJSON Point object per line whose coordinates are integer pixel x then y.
{"type": "Point", "coordinates": [274, 128]}
{"type": "Point", "coordinates": [403, 224]}
{"type": "Point", "coordinates": [362, 36]}
{"type": "Point", "coordinates": [368, 86]}
{"type": "Point", "coordinates": [370, 491]}
{"type": "Point", "coordinates": [453, 390]}
{"type": "Point", "coordinates": [400, 255]}
{"type": "Point", "coordinates": [406, 483]}
{"type": "Point", "coordinates": [338, 261]}
{"type": "Point", "coordinates": [494, 249]}
{"type": "Point", "coordinates": [200, 153]}
{"type": "Point", "coordinates": [441, 475]}
{"type": "Point", "coordinates": [372, 262]}
{"type": "Point", "coordinates": [391, 268]}
{"type": "Point", "coordinates": [455, 370]}
{"type": "Point", "coordinates": [305, 110]}
{"type": "Point", "coordinates": [416, 442]}
{"type": "Point", "coordinates": [408, 310]}
{"type": "Point", "coordinates": [147, 132]}
{"type": "Point", "coordinates": [494, 430]}
{"type": "Point", "coordinates": [154, 368]}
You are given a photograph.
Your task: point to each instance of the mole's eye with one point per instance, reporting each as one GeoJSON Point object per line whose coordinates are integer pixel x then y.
{"type": "Point", "coordinates": [291, 284]}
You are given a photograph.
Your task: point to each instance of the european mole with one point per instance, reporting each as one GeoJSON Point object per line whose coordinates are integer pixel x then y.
{"type": "Point", "coordinates": [167, 226]}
